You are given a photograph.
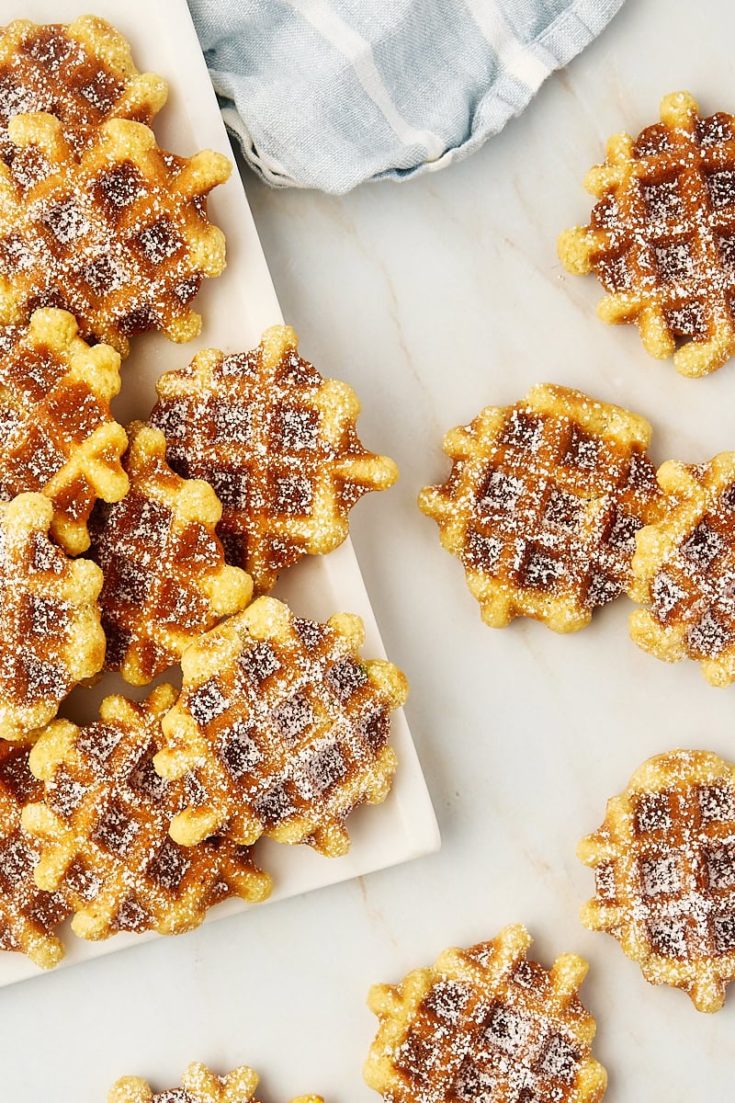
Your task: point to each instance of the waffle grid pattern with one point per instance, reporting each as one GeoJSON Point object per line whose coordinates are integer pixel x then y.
{"type": "Point", "coordinates": [50, 633]}
{"type": "Point", "coordinates": [279, 445]}
{"type": "Point", "coordinates": [82, 73]}
{"type": "Point", "coordinates": [486, 1023]}
{"type": "Point", "coordinates": [664, 862]}
{"type": "Point", "coordinates": [684, 570]}
{"type": "Point", "coordinates": [662, 235]}
{"type": "Point", "coordinates": [284, 726]}
{"type": "Point", "coordinates": [166, 580]}
{"type": "Point", "coordinates": [58, 435]}
{"type": "Point", "coordinates": [29, 916]}
{"type": "Point", "coordinates": [543, 503]}
{"type": "Point", "coordinates": [103, 829]}
{"type": "Point", "coordinates": [117, 234]}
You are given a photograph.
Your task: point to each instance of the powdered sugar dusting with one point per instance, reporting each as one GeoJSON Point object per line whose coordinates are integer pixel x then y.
{"type": "Point", "coordinates": [663, 232]}
{"type": "Point", "coordinates": [550, 510]}
{"type": "Point", "coordinates": [52, 70]}
{"type": "Point", "coordinates": [105, 233]}
{"type": "Point", "coordinates": [55, 427]}
{"type": "Point", "coordinates": [694, 585]}
{"type": "Point", "coordinates": [480, 1036]}
{"type": "Point", "coordinates": [28, 916]}
{"type": "Point", "coordinates": [671, 880]}
{"type": "Point", "coordinates": [274, 448]}
{"type": "Point", "coordinates": [294, 724]}
{"type": "Point", "coordinates": [43, 634]}
{"type": "Point", "coordinates": [160, 568]}
{"type": "Point", "coordinates": [114, 833]}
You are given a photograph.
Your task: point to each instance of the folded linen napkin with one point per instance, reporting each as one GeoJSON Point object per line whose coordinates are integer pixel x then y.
{"type": "Point", "coordinates": [329, 93]}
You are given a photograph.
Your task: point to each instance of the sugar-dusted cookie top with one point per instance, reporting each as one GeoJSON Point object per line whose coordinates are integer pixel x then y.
{"type": "Point", "coordinates": [664, 862]}
{"type": "Point", "coordinates": [486, 1023]}
{"type": "Point", "coordinates": [542, 505]}
{"type": "Point", "coordinates": [279, 445]}
{"type": "Point", "coordinates": [285, 728]}
{"type": "Point", "coordinates": [661, 237]}
{"type": "Point", "coordinates": [51, 637]}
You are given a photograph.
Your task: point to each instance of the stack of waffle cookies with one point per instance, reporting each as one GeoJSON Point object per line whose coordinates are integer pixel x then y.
{"type": "Point", "coordinates": [143, 548]}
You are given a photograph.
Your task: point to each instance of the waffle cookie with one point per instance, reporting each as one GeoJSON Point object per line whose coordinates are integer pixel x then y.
{"type": "Point", "coordinates": [664, 862]}
{"type": "Point", "coordinates": [198, 1085]}
{"type": "Point", "coordinates": [279, 445]}
{"type": "Point", "coordinates": [684, 569]}
{"type": "Point", "coordinates": [661, 239]}
{"type": "Point", "coordinates": [484, 1024]}
{"type": "Point", "coordinates": [285, 727]}
{"type": "Point", "coordinates": [166, 580]}
{"type": "Point", "coordinates": [117, 234]}
{"type": "Point", "coordinates": [543, 503]}
{"type": "Point", "coordinates": [82, 73]}
{"type": "Point", "coordinates": [29, 917]}
{"type": "Point", "coordinates": [58, 435]}
{"type": "Point", "coordinates": [50, 633]}
{"type": "Point", "coordinates": [102, 828]}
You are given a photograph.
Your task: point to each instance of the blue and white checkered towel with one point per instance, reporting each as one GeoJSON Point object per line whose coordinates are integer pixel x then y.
{"type": "Point", "coordinates": [329, 93]}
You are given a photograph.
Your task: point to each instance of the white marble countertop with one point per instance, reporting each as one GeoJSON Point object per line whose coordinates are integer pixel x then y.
{"type": "Point", "coordinates": [433, 299]}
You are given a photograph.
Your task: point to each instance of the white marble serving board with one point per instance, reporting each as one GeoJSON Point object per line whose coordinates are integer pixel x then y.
{"type": "Point", "coordinates": [236, 308]}
{"type": "Point", "coordinates": [433, 299]}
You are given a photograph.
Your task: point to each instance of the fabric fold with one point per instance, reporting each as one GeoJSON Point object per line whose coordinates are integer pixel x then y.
{"type": "Point", "coordinates": [330, 93]}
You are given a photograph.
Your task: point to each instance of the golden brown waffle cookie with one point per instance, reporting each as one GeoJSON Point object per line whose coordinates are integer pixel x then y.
{"type": "Point", "coordinates": [486, 1023]}
{"type": "Point", "coordinates": [29, 916]}
{"type": "Point", "coordinates": [82, 73]}
{"type": "Point", "coordinates": [166, 580]}
{"type": "Point", "coordinates": [543, 503]}
{"type": "Point", "coordinates": [285, 727]}
{"type": "Point", "coordinates": [117, 234]}
{"type": "Point", "coordinates": [50, 633]}
{"type": "Point", "coordinates": [198, 1085]}
{"type": "Point", "coordinates": [664, 862]}
{"type": "Point", "coordinates": [684, 570]}
{"type": "Point", "coordinates": [279, 445]}
{"type": "Point", "coordinates": [58, 435]}
{"type": "Point", "coordinates": [661, 239]}
{"type": "Point", "coordinates": [103, 828]}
